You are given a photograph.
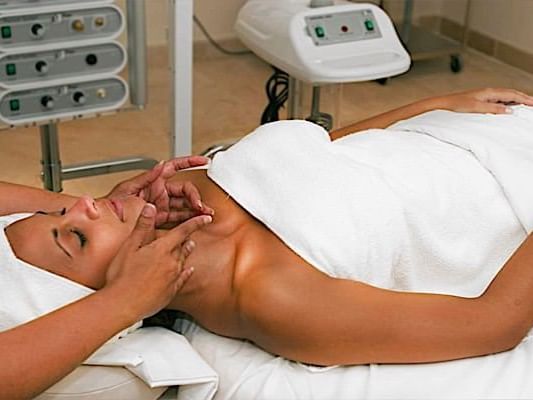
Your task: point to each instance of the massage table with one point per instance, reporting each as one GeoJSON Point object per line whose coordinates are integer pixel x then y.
{"type": "Point", "coordinates": [247, 373]}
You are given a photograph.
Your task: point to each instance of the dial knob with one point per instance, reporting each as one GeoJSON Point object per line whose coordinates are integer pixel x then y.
{"type": "Point", "coordinates": [47, 102]}
{"type": "Point", "coordinates": [37, 30]}
{"type": "Point", "coordinates": [41, 67]}
{"type": "Point", "coordinates": [79, 98]}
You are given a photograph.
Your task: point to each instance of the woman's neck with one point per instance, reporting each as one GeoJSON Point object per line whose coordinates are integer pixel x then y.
{"type": "Point", "coordinates": [210, 290]}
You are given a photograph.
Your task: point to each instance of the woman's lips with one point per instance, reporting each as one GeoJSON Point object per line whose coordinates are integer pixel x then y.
{"type": "Point", "coordinates": [118, 208]}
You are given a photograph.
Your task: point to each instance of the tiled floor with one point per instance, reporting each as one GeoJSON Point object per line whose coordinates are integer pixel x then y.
{"type": "Point", "coordinates": [228, 101]}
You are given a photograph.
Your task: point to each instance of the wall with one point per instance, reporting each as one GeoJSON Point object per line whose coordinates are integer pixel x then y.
{"type": "Point", "coordinates": [219, 16]}
{"type": "Point", "coordinates": [508, 21]}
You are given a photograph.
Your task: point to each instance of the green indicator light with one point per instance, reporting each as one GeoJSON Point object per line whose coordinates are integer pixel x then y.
{"type": "Point", "coordinates": [369, 25]}
{"type": "Point", "coordinates": [14, 105]}
{"type": "Point", "coordinates": [11, 69]}
{"type": "Point", "coordinates": [6, 32]}
{"type": "Point", "coordinates": [320, 32]}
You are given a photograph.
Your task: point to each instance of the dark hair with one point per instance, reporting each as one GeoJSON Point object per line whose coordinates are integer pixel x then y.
{"type": "Point", "coordinates": [165, 319]}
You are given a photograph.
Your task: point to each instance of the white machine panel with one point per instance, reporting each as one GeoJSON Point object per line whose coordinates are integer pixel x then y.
{"type": "Point", "coordinates": [59, 60]}
{"type": "Point", "coordinates": [13, 4]}
{"type": "Point", "coordinates": [19, 107]}
{"type": "Point", "coordinates": [49, 26]}
{"type": "Point", "coordinates": [38, 68]}
{"type": "Point", "coordinates": [343, 27]}
{"type": "Point", "coordinates": [346, 42]}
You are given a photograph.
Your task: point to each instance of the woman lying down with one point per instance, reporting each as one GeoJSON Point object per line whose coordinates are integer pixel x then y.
{"type": "Point", "coordinates": [401, 245]}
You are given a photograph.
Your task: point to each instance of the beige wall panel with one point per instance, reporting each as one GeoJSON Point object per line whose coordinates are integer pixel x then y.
{"type": "Point", "coordinates": [509, 21]}
{"type": "Point", "coordinates": [219, 16]}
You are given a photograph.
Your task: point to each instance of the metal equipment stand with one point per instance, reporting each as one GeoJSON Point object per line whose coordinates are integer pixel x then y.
{"type": "Point", "coordinates": [294, 98]}
{"type": "Point", "coordinates": [52, 171]}
{"type": "Point", "coordinates": [53, 174]}
{"type": "Point", "coordinates": [181, 32]}
{"type": "Point", "coordinates": [423, 44]}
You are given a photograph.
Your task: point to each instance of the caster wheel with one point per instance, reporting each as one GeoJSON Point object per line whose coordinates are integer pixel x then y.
{"type": "Point", "coordinates": [382, 81]}
{"type": "Point", "coordinates": [456, 64]}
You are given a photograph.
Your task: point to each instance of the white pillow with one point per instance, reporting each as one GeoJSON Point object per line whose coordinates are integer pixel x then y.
{"type": "Point", "coordinates": [101, 383]}
{"type": "Point", "coordinates": [140, 366]}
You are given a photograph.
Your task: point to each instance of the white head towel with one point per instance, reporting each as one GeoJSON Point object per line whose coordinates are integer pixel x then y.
{"type": "Point", "coordinates": [27, 292]}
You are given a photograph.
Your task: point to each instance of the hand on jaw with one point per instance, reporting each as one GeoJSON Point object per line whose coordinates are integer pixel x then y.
{"type": "Point", "coordinates": [147, 273]}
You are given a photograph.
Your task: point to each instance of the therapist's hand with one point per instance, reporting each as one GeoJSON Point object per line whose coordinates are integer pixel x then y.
{"type": "Point", "coordinates": [146, 273]}
{"type": "Point", "coordinates": [175, 201]}
{"type": "Point", "coordinates": [489, 100]}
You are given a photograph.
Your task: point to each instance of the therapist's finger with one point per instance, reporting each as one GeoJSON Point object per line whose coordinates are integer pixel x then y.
{"type": "Point", "coordinates": [189, 162]}
{"type": "Point", "coordinates": [188, 191]}
{"type": "Point", "coordinates": [174, 165]}
{"type": "Point", "coordinates": [143, 181]}
{"type": "Point", "coordinates": [184, 252]}
{"type": "Point", "coordinates": [178, 204]}
{"type": "Point", "coordinates": [176, 236]}
{"type": "Point", "coordinates": [182, 278]}
{"type": "Point", "coordinates": [178, 216]}
{"type": "Point", "coordinates": [144, 231]}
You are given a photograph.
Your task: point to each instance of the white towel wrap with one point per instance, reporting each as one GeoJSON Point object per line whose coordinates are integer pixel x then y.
{"type": "Point", "coordinates": [27, 291]}
{"type": "Point", "coordinates": [395, 209]}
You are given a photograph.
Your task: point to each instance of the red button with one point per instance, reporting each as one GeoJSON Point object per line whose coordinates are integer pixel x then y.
{"type": "Point", "coordinates": [344, 28]}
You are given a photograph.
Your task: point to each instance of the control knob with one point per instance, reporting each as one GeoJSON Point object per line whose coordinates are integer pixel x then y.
{"type": "Point", "coordinates": [37, 30]}
{"type": "Point", "coordinates": [41, 67]}
{"type": "Point", "coordinates": [47, 102]}
{"type": "Point", "coordinates": [79, 98]}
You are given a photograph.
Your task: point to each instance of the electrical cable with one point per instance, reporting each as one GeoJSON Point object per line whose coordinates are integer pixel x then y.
{"type": "Point", "coordinates": [277, 91]}
{"type": "Point", "coordinates": [214, 42]}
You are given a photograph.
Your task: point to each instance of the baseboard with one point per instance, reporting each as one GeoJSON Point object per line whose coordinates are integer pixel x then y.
{"type": "Point", "coordinates": [481, 42]}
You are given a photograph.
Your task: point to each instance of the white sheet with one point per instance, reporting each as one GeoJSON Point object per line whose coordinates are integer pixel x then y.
{"type": "Point", "coordinates": [248, 373]}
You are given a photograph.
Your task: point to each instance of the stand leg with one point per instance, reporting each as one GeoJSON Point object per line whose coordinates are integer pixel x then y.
{"type": "Point", "coordinates": [407, 21]}
{"type": "Point", "coordinates": [181, 35]}
{"type": "Point", "coordinates": [295, 97]}
{"type": "Point", "coordinates": [51, 163]}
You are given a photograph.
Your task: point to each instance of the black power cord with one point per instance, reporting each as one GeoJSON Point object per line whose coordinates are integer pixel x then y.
{"type": "Point", "coordinates": [277, 91]}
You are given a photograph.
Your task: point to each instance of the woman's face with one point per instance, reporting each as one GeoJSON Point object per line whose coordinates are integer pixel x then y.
{"type": "Point", "coordinates": [77, 243]}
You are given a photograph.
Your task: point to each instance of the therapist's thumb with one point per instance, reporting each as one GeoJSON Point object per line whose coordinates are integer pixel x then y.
{"type": "Point", "coordinates": [144, 231]}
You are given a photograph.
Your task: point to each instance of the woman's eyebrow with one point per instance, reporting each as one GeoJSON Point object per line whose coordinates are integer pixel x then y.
{"type": "Point", "coordinates": [59, 212]}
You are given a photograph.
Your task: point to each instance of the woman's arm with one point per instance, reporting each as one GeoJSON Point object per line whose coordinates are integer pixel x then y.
{"type": "Point", "coordinates": [18, 198]}
{"type": "Point", "coordinates": [328, 321]}
{"type": "Point", "coordinates": [476, 101]}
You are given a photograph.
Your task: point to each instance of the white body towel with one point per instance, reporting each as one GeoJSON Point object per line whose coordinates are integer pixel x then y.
{"type": "Point", "coordinates": [395, 209]}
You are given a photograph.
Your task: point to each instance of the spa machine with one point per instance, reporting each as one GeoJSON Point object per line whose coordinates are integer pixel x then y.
{"type": "Point", "coordinates": [322, 42]}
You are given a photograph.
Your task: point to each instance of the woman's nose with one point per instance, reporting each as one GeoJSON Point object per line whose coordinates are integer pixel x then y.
{"type": "Point", "coordinates": [87, 206]}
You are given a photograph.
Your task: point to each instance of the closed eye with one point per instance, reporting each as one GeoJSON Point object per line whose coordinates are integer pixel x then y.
{"type": "Point", "coordinates": [81, 237]}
